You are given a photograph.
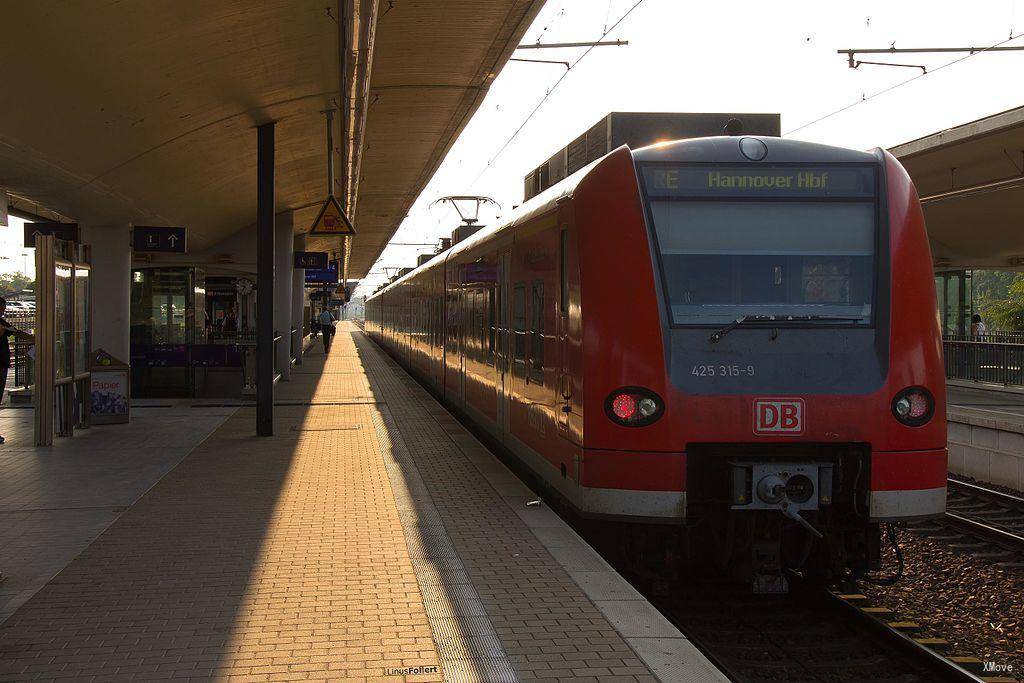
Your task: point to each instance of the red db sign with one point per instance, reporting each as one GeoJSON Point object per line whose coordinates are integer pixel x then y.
{"type": "Point", "coordinates": [779, 416]}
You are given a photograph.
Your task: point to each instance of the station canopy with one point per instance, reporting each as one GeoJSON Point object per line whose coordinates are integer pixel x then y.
{"type": "Point", "coordinates": [144, 112]}
{"type": "Point", "coordinates": [971, 182]}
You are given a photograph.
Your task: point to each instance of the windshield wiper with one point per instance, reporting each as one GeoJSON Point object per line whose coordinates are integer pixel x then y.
{"type": "Point", "coordinates": [734, 324]}
{"type": "Point", "coordinates": [717, 336]}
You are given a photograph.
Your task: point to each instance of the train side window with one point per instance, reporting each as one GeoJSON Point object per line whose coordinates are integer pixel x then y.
{"type": "Point", "coordinates": [435, 309]}
{"type": "Point", "coordinates": [563, 271]}
{"type": "Point", "coordinates": [479, 302]}
{"type": "Point", "coordinates": [490, 324]}
{"type": "Point", "coordinates": [452, 316]}
{"type": "Point", "coordinates": [519, 322]}
{"type": "Point", "coordinates": [537, 331]}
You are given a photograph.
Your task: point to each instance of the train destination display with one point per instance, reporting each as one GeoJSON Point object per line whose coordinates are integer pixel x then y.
{"type": "Point", "coordinates": [785, 181]}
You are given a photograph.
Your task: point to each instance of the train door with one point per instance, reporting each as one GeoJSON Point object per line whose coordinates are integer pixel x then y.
{"type": "Point", "coordinates": [564, 383]}
{"type": "Point", "coordinates": [503, 364]}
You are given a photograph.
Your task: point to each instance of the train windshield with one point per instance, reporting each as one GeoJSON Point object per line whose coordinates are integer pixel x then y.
{"type": "Point", "coordinates": [783, 241]}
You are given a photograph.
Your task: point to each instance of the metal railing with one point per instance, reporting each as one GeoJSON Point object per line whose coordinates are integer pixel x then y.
{"type": "Point", "coordinates": [249, 363]}
{"type": "Point", "coordinates": [982, 359]}
{"type": "Point", "coordinates": [21, 364]}
{"type": "Point", "coordinates": [993, 336]}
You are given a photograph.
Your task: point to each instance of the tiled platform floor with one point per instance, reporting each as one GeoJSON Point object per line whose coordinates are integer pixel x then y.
{"type": "Point", "coordinates": [371, 538]}
{"type": "Point", "coordinates": [55, 501]}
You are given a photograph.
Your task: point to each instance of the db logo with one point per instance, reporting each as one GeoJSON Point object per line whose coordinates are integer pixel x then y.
{"type": "Point", "coordinates": [773, 416]}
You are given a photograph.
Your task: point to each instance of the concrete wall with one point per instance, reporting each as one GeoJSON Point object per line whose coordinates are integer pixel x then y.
{"type": "Point", "coordinates": [986, 448]}
{"type": "Point", "coordinates": [110, 281]}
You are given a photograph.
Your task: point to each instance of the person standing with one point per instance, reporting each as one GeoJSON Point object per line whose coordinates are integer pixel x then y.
{"type": "Point", "coordinates": [7, 330]}
{"type": "Point", "coordinates": [978, 327]}
{"type": "Point", "coordinates": [231, 320]}
{"type": "Point", "coordinates": [326, 320]}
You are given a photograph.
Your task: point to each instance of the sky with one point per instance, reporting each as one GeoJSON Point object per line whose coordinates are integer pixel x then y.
{"type": "Point", "coordinates": [13, 257]}
{"type": "Point", "coordinates": [745, 56]}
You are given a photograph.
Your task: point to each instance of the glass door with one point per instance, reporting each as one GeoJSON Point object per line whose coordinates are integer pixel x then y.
{"type": "Point", "coordinates": [162, 324]}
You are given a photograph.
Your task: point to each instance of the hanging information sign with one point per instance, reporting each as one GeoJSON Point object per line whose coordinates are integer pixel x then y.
{"type": "Point", "coordinates": [332, 220]}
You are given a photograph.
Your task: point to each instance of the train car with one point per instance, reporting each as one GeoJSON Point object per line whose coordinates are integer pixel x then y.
{"type": "Point", "coordinates": [731, 341]}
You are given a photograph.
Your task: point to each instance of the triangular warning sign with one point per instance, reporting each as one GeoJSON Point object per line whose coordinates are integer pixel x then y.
{"type": "Point", "coordinates": [332, 220]}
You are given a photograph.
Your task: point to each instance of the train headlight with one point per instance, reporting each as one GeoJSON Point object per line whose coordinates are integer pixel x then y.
{"type": "Point", "coordinates": [633, 406]}
{"type": "Point", "coordinates": [647, 407]}
{"type": "Point", "coordinates": [914, 406]}
{"type": "Point", "coordinates": [753, 149]}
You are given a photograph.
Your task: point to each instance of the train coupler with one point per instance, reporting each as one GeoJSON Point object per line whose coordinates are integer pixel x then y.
{"type": "Point", "coordinates": [767, 566]}
{"type": "Point", "coordinates": [794, 514]}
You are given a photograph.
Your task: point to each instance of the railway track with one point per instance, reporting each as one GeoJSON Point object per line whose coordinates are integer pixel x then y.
{"type": "Point", "coordinates": [809, 635]}
{"type": "Point", "coordinates": [987, 523]}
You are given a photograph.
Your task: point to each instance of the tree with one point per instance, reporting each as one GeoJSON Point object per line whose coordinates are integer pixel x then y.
{"type": "Point", "coordinates": [1000, 298]}
{"type": "Point", "coordinates": [991, 285]}
{"type": "Point", "coordinates": [15, 282]}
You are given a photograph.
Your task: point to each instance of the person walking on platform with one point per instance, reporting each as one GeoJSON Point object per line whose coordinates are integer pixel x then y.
{"type": "Point", "coordinates": [326, 320]}
{"type": "Point", "coordinates": [7, 330]}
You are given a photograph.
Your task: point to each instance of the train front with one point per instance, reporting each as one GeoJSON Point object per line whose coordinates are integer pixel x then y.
{"type": "Point", "coordinates": [803, 368]}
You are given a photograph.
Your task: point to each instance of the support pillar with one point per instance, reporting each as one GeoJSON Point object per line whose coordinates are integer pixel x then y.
{"type": "Point", "coordinates": [111, 287]}
{"type": "Point", "coordinates": [298, 300]}
{"type": "Point", "coordinates": [43, 392]}
{"type": "Point", "coordinates": [284, 262]}
{"type": "Point", "coordinates": [265, 206]}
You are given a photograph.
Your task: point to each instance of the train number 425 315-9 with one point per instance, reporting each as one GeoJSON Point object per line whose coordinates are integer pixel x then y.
{"type": "Point", "coordinates": [713, 370]}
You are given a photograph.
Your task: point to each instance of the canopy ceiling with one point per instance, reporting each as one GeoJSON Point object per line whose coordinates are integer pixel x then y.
{"type": "Point", "coordinates": [144, 112]}
{"type": "Point", "coordinates": [971, 182]}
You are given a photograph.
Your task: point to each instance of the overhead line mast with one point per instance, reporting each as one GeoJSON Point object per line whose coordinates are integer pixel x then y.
{"type": "Point", "coordinates": [854, 63]}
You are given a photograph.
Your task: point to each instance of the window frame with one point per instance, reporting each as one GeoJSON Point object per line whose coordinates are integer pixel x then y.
{"type": "Point", "coordinates": [563, 270]}
{"type": "Point", "coordinates": [520, 320]}
{"type": "Point", "coordinates": [881, 233]}
{"type": "Point", "coordinates": [535, 347]}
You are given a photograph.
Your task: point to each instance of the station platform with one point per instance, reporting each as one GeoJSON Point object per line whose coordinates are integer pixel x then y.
{"type": "Point", "coordinates": [986, 432]}
{"type": "Point", "coordinates": [372, 538]}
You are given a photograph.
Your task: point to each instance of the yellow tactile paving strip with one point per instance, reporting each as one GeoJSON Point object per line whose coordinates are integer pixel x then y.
{"type": "Point", "coordinates": [358, 543]}
{"type": "Point", "coordinates": [255, 559]}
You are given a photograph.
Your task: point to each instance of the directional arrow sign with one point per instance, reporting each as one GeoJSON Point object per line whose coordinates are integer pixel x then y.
{"type": "Point", "coordinates": [61, 231]}
{"type": "Point", "coordinates": [150, 238]}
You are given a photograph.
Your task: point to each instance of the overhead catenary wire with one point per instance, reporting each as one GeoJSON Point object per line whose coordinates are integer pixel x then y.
{"type": "Point", "coordinates": [547, 95]}
{"type": "Point", "coordinates": [515, 134]}
{"type": "Point", "coordinates": [866, 98]}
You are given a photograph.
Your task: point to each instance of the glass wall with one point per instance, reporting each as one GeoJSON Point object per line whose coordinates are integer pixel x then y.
{"type": "Point", "coordinates": [82, 359]}
{"type": "Point", "coordinates": [953, 295]}
{"type": "Point", "coordinates": [64, 346]}
{"type": "Point", "coordinates": [161, 306]}
{"type": "Point", "coordinates": [186, 338]}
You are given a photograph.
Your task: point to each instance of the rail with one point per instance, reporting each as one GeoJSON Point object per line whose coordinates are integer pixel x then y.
{"type": "Point", "coordinates": [992, 515]}
{"type": "Point", "coordinates": [982, 359]}
{"type": "Point", "coordinates": [812, 634]}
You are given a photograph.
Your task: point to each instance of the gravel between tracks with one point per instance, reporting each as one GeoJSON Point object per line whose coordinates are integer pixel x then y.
{"type": "Point", "coordinates": [976, 606]}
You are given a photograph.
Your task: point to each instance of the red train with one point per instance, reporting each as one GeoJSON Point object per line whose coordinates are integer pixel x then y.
{"type": "Point", "coordinates": [734, 335]}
